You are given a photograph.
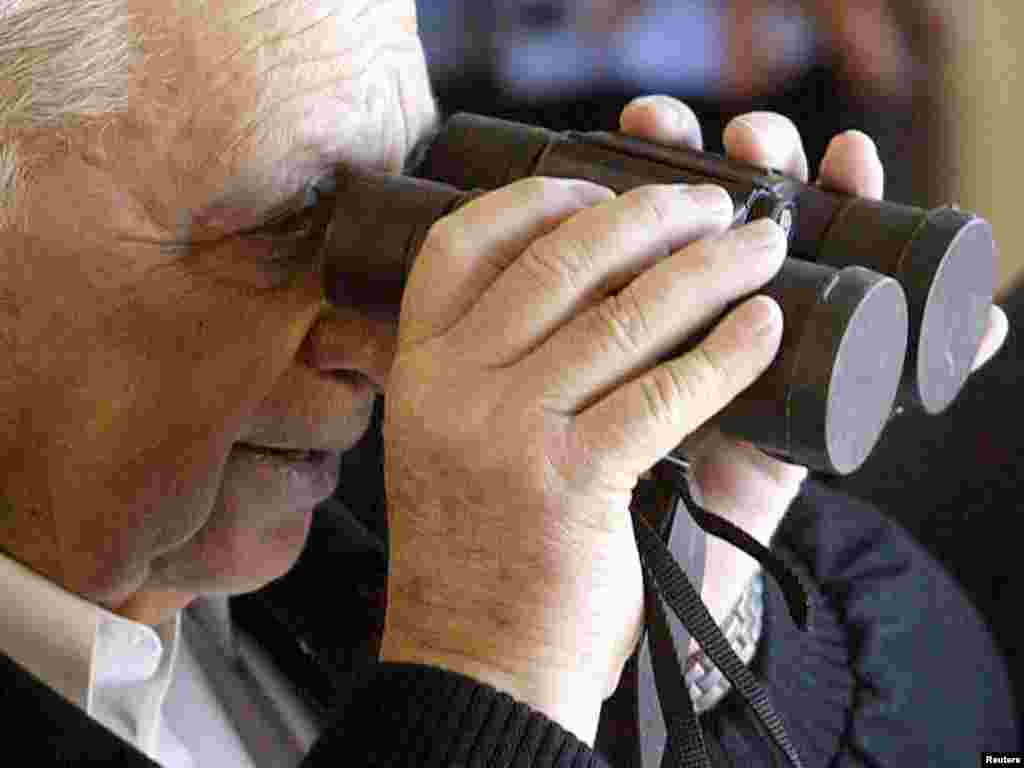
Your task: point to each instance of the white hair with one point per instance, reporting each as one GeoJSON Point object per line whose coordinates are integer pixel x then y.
{"type": "Point", "coordinates": [8, 169]}
{"type": "Point", "coordinates": [62, 62]}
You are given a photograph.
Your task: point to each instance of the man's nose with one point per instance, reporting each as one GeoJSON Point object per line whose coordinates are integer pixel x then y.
{"type": "Point", "coordinates": [345, 339]}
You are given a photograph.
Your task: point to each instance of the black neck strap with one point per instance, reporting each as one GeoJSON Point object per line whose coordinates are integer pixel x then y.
{"type": "Point", "coordinates": [665, 582]}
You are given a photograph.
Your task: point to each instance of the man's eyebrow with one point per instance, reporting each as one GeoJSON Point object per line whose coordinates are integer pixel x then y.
{"type": "Point", "coordinates": [255, 218]}
{"type": "Point", "coordinates": [311, 191]}
{"type": "Point", "coordinates": [268, 222]}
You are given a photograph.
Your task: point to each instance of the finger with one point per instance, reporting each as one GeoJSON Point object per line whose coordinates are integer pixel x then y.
{"type": "Point", "coordinates": [627, 333]}
{"type": "Point", "coordinates": [992, 341]}
{"type": "Point", "coordinates": [742, 483]}
{"type": "Point", "coordinates": [591, 254]}
{"type": "Point", "coordinates": [662, 119]}
{"type": "Point", "coordinates": [851, 165]}
{"type": "Point", "coordinates": [767, 140]}
{"type": "Point", "coordinates": [465, 252]}
{"type": "Point", "coordinates": [625, 433]}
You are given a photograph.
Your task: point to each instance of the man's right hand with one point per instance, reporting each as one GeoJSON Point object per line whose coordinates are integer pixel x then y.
{"type": "Point", "coordinates": [525, 401]}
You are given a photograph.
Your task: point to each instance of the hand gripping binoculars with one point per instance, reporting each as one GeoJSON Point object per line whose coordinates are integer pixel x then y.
{"type": "Point", "coordinates": [885, 305]}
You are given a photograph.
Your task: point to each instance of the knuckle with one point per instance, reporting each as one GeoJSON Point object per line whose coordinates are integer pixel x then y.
{"type": "Point", "coordinates": [713, 256]}
{"type": "Point", "coordinates": [690, 383]}
{"type": "Point", "coordinates": [708, 376]}
{"type": "Point", "coordinates": [622, 317]}
{"type": "Point", "coordinates": [661, 391]}
{"type": "Point", "coordinates": [557, 261]}
{"type": "Point", "coordinates": [656, 205]}
{"type": "Point", "coordinates": [557, 196]}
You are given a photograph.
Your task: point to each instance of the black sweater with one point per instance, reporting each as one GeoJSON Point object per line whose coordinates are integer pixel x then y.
{"type": "Point", "coordinates": [897, 669]}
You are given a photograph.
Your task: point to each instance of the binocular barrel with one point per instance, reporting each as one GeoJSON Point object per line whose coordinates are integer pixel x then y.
{"type": "Point", "coordinates": [944, 259]}
{"type": "Point", "coordinates": [822, 403]}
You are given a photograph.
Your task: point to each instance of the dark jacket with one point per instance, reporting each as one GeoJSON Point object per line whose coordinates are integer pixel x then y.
{"type": "Point", "coordinates": [897, 669]}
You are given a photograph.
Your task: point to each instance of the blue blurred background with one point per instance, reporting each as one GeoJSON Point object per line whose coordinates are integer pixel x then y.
{"type": "Point", "coordinates": [828, 64]}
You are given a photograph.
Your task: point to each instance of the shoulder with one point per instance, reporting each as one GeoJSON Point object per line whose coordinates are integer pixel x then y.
{"type": "Point", "coordinates": [929, 681]}
{"type": "Point", "coordinates": [53, 731]}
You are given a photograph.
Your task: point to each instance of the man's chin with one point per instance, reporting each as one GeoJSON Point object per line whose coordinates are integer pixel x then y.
{"type": "Point", "coordinates": [258, 527]}
{"type": "Point", "coordinates": [234, 563]}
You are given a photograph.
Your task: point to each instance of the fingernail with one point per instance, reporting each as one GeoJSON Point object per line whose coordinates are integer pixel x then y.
{"type": "Point", "coordinates": [778, 139]}
{"type": "Point", "coordinates": [776, 129]}
{"type": "Point", "coordinates": [764, 317]}
{"type": "Point", "coordinates": [761, 234]}
{"type": "Point", "coordinates": [652, 99]}
{"type": "Point", "coordinates": [710, 198]}
{"type": "Point", "coordinates": [864, 139]}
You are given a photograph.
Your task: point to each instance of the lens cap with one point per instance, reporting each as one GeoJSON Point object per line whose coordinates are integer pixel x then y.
{"type": "Point", "coordinates": [949, 275]}
{"type": "Point", "coordinates": [945, 261]}
{"type": "Point", "coordinates": [862, 324]}
{"type": "Point", "coordinates": [828, 395]}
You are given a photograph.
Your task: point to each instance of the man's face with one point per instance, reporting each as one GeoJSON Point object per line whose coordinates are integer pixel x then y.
{"type": "Point", "coordinates": [134, 371]}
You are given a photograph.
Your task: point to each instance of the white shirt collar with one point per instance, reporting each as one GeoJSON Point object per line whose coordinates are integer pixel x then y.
{"type": "Point", "coordinates": [116, 670]}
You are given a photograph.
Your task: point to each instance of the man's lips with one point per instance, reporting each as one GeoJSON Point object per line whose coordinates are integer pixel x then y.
{"type": "Point", "coordinates": [358, 381]}
{"type": "Point", "coordinates": [286, 454]}
{"type": "Point", "coordinates": [308, 476]}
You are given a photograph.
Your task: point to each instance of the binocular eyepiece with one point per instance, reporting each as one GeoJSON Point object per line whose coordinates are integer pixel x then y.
{"type": "Point", "coordinates": [885, 305]}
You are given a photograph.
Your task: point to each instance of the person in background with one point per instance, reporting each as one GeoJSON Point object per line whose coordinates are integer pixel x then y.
{"type": "Point", "coordinates": [830, 65]}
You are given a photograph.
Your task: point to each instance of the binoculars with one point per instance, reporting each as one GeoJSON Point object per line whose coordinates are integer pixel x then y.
{"type": "Point", "coordinates": [885, 305]}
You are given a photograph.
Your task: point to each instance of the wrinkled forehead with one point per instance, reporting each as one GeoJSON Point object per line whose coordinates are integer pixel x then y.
{"type": "Point", "coordinates": [219, 38]}
{"type": "Point", "coordinates": [245, 100]}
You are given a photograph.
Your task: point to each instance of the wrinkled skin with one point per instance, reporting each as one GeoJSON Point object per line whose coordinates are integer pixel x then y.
{"type": "Point", "coordinates": [134, 371]}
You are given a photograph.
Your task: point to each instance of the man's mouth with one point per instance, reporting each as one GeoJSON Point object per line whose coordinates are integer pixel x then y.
{"type": "Point", "coordinates": [309, 476]}
{"type": "Point", "coordinates": [290, 455]}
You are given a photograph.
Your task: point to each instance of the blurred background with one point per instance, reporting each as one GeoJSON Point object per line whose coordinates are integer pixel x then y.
{"type": "Point", "coordinates": [933, 81]}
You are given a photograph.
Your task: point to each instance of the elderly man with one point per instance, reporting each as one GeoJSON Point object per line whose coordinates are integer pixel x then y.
{"type": "Point", "coordinates": [175, 391]}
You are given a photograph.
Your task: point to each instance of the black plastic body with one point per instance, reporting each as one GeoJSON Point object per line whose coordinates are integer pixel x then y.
{"type": "Point", "coordinates": [944, 258]}
{"type": "Point", "coordinates": [822, 403]}
{"type": "Point", "coordinates": [884, 304]}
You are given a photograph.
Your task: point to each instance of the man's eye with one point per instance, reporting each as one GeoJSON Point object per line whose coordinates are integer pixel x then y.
{"type": "Point", "coordinates": [293, 225]}
{"type": "Point", "coordinates": [289, 244]}
{"type": "Point", "coordinates": [304, 220]}
{"type": "Point", "coordinates": [292, 236]}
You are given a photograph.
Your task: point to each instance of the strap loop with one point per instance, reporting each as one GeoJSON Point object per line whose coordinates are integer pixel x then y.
{"type": "Point", "coordinates": [793, 588]}
{"type": "Point", "coordinates": [665, 580]}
